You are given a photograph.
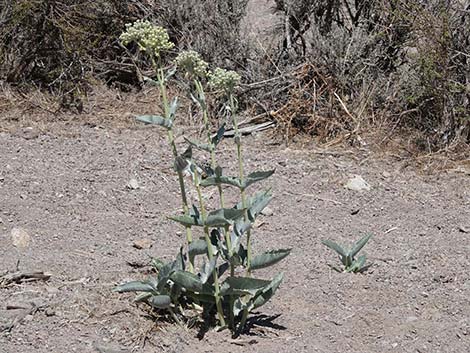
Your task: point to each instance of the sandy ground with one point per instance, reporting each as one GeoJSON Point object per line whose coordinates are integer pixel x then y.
{"type": "Point", "coordinates": [66, 186]}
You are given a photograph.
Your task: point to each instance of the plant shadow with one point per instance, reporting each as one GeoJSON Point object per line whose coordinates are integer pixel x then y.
{"type": "Point", "coordinates": [262, 321]}
{"type": "Point", "coordinates": [253, 324]}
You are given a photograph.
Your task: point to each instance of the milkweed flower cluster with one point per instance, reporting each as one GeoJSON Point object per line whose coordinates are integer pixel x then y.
{"type": "Point", "coordinates": [150, 38]}
{"type": "Point", "coordinates": [221, 79]}
{"type": "Point", "coordinates": [191, 62]}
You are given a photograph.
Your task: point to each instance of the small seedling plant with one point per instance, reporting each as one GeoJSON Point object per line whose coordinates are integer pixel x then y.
{"type": "Point", "coordinates": [212, 275]}
{"type": "Point", "coordinates": [348, 257]}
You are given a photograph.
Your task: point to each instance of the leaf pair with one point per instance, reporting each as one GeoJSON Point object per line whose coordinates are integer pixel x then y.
{"type": "Point", "coordinates": [214, 141]}
{"type": "Point", "coordinates": [226, 180]}
{"type": "Point", "coordinates": [251, 292]}
{"type": "Point", "coordinates": [350, 263]}
{"type": "Point", "coordinates": [218, 218]}
{"type": "Point", "coordinates": [166, 122]}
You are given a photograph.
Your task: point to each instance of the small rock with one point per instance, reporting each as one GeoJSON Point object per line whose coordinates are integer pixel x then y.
{"type": "Point", "coordinates": [143, 244]}
{"type": "Point", "coordinates": [464, 229]}
{"type": "Point", "coordinates": [258, 223]}
{"type": "Point", "coordinates": [355, 211]}
{"type": "Point", "coordinates": [20, 238]}
{"type": "Point", "coordinates": [49, 312]}
{"type": "Point", "coordinates": [133, 184]}
{"type": "Point", "coordinates": [386, 174]}
{"type": "Point", "coordinates": [267, 212]}
{"type": "Point", "coordinates": [357, 184]}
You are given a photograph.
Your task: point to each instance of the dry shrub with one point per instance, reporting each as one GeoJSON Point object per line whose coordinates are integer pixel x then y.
{"type": "Point", "coordinates": [406, 61]}
{"type": "Point", "coordinates": [64, 46]}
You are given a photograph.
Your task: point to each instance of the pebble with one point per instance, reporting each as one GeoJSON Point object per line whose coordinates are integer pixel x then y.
{"type": "Point", "coordinates": [357, 184]}
{"type": "Point", "coordinates": [143, 244]}
{"type": "Point", "coordinates": [20, 238]}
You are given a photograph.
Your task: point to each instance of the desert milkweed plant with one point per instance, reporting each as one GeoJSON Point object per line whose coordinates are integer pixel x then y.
{"type": "Point", "coordinates": [348, 257]}
{"type": "Point", "coordinates": [213, 272]}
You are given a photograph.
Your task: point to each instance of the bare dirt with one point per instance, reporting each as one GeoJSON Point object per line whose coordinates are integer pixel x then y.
{"type": "Point", "coordinates": [66, 186]}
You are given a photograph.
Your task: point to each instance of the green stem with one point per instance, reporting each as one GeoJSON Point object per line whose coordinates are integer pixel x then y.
{"type": "Point", "coordinates": [228, 242]}
{"type": "Point", "coordinates": [241, 177]}
{"type": "Point", "coordinates": [205, 115]}
{"type": "Point", "coordinates": [210, 251]}
{"type": "Point", "coordinates": [171, 140]}
{"type": "Point", "coordinates": [243, 197]}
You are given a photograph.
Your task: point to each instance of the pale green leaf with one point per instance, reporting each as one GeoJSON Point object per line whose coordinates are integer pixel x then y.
{"type": "Point", "coordinates": [223, 217]}
{"type": "Point", "coordinates": [187, 280]}
{"type": "Point", "coordinates": [268, 258]}
{"type": "Point", "coordinates": [160, 301]}
{"type": "Point", "coordinates": [332, 245]}
{"type": "Point", "coordinates": [134, 286]}
{"type": "Point", "coordinates": [255, 177]}
{"type": "Point", "coordinates": [197, 247]}
{"type": "Point", "coordinates": [242, 286]}
{"type": "Point", "coordinates": [267, 292]}
{"type": "Point", "coordinates": [156, 120]}
{"type": "Point", "coordinates": [359, 245]}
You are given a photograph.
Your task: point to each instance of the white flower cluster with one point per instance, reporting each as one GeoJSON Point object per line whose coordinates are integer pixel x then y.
{"type": "Point", "coordinates": [191, 62]}
{"type": "Point", "coordinates": [223, 79]}
{"type": "Point", "coordinates": [150, 38]}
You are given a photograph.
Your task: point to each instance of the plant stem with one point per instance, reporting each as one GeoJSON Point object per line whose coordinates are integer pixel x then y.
{"type": "Point", "coordinates": [205, 114]}
{"type": "Point", "coordinates": [171, 140]}
{"type": "Point", "coordinates": [228, 242]}
{"type": "Point", "coordinates": [243, 197]}
{"type": "Point", "coordinates": [241, 177]}
{"type": "Point", "coordinates": [210, 250]}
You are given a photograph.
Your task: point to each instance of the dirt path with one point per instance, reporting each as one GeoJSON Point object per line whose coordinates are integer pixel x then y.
{"type": "Point", "coordinates": [67, 189]}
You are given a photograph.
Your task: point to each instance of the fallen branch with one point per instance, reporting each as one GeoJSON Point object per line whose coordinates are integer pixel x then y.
{"type": "Point", "coordinates": [21, 277]}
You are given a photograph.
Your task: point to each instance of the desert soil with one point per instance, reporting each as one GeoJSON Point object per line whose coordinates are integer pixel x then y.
{"type": "Point", "coordinates": [66, 186]}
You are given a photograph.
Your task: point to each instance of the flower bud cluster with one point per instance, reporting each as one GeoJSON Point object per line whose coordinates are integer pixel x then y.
{"type": "Point", "coordinates": [150, 38]}
{"type": "Point", "coordinates": [222, 79]}
{"type": "Point", "coordinates": [191, 62]}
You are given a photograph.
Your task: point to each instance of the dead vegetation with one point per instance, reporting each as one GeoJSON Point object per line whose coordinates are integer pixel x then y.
{"type": "Point", "coordinates": [336, 68]}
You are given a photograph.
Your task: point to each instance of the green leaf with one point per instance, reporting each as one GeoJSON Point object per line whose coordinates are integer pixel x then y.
{"type": "Point", "coordinates": [267, 292]}
{"type": "Point", "coordinates": [197, 247]}
{"type": "Point", "coordinates": [207, 269]}
{"type": "Point", "coordinates": [202, 146]}
{"type": "Point", "coordinates": [151, 81]}
{"type": "Point", "coordinates": [359, 245]}
{"type": "Point", "coordinates": [134, 286]}
{"type": "Point", "coordinates": [142, 297]}
{"type": "Point", "coordinates": [156, 120]}
{"type": "Point", "coordinates": [187, 221]}
{"type": "Point", "coordinates": [157, 264]}
{"type": "Point", "coordinates": [160, 301]}
{"type": "Point", "coordinates": [187, 280]}
{"type": "Point", "coordinates": [268, 258]}
{"type": "Point", "coordinates": [219, 136]}
{"type": "Point", "coordinates": [243, 286]}
{"type": "Point", "coordinates": [173, 108]}
{"type": "Point", "coordinates": [357, 265]}
{"type": "Point", "coordinates": [170, 73]}
{"type": "Point", "coordinates": [255, 177]}
{"type": "Point", "coordinates": [257, 203]}
{"type": "Point", "coordinates": [179, 264]}
{"type": "Point", "coordinates": [223, 217]}
{"type": "Point", "coordinates": [220, 180]}
{"type": "Point", "coordinates": [332, 245]}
